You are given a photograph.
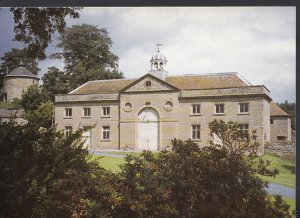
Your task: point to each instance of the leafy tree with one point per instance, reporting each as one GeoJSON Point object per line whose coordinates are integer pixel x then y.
{"type": "Point", "coordinates": [230, 135]}
{"type": "Point", "coordinates": [55, 82]}
{"type": "Point", "coordinates": [87, 45]}
{"type": "Point", "coordinates": [193, 182]}
{"type": "Point", "coordinates": [290, 108]}
{"type": "Point", "coordinates": [43, 116]}
{"type": "Point", "coordinates": [36, 26]}
{"type": "Point", "coordinates": [45, 174]}
{"type": "Point", "coordinates": [33, 97]}
{"type": "Point", "coordinates": [81, 75]}
{"type": "Point", "coordinates": [87, 56]}
{"type": "Point", "coordinates": [13, 58]}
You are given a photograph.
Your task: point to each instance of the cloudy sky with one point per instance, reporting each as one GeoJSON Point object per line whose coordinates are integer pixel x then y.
{"type": "Point", "coordinates": [257, 42]}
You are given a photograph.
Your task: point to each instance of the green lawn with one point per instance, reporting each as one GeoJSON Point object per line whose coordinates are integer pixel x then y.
{"type": "Point", "coordinates": [290, 202]}
{"type": "Point", "coordinates": [109, 163]}
{"type": "Point", "coordinates": [286, 169]}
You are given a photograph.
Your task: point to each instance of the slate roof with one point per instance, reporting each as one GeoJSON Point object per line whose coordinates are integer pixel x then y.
{"type": "Point", "coordinates": [184, 82]}
{"type": "Point", "coordinates": [212, 81]}
{"type": "Point", "coordinates": [21, 71]}
{"type": "Point", "coordinates": [276, 111]}
{"type": "Point", "coordinates": [102, 86]}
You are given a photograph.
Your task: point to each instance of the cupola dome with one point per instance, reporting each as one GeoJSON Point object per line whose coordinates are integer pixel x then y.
{"type": "Point", "coordinates": [158, 60]}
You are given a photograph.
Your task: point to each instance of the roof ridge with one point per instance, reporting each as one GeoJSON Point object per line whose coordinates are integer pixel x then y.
{"type": "Point", "coordinates": [206, 74]}
{"type": "Point", "coordinates": [105, 80]}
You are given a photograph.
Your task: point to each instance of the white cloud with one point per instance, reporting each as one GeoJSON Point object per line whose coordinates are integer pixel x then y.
{"type": "Point", "coordinates": [257, 42]}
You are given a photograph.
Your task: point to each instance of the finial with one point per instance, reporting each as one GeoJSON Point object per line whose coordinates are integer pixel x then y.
{"type": "Point", "coordinates": [157, 47]}
{"type": "Point", "coordinates": [22, 64]}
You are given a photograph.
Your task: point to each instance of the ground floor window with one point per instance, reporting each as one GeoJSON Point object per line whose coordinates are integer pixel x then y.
{"type": "Point", "coordinates": [196, 132]}
{"type": "Point", "coordinates": [68, 130]}
{"type": "Point", "coordinates": [244, 128]}
{"type": "Point", "coordinates": [281, 138]}
{"type": "Point", "coordinates": [105, 132]}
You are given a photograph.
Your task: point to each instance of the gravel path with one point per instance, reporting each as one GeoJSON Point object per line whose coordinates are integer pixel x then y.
{"type": "Point", "coordinates": [285, 191]}
{"type": "Point", "coordinates": [107, 154]}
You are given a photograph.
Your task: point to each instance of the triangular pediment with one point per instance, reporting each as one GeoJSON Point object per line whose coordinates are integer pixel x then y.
{"type": "Point", "coordinates": [149, 83]}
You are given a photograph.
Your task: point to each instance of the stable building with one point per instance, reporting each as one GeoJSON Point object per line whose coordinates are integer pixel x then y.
{"type": "Point", "coordinates": [147, 112]}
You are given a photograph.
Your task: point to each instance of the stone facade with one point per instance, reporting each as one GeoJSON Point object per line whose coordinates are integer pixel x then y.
{"type": "Point", "coordinates": [14, 86]}
{"type": "Point", "coordinates": [173, 106]}
{"type": "Point", "coordinates": [281, 128]}
{"type": "Point", "coordinates": [148, 112]}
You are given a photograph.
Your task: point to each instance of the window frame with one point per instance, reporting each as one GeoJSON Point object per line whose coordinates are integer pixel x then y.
{"type": "Point", "coordinates": [196, 132]}
{"type": "Point", "coordinates": [106, 133]}
{"type": "Point", "coordinates": [245, 131]}
{"type": "Point", "coordinates": [217, 109]}
{"type": "Point", "coordinates": [105, 114]}
{"type": "Point", "coordinates": [196, 109]}
{"type": "Point", "coordinates": [85, 109]}
{"type": "Point", "coordinates": [67, 112]}
{"type": "Point", "coordinates": [68, 131]}
{"type": "Point", "coordinates": [243, 106]}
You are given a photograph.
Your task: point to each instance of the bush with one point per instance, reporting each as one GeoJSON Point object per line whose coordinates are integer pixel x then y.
{"type": "Point", "coordinates": [45, 174]}
{"type": "Point", "coordinates": [193, 182]}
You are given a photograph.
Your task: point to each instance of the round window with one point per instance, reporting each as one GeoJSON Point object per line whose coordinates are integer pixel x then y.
{"type": "Point", "coordinates": [148, 83]}
{"type": "Point", "coordinates": [168, 106]}
{"type": "Point", "coordinates": [127, 107]}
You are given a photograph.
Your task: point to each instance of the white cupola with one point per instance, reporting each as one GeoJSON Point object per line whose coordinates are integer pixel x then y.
{"type": "Point", "coordinates": [159, 64]}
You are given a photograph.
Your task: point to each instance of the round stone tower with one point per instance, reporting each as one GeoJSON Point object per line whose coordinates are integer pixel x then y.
{"type": "Point", "coordinates": [16, 81]}
{"type": "Point", "coordinates": [159, 64]}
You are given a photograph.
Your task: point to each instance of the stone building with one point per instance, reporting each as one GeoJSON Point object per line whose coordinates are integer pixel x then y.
{"type": "Point", "coordinates": [147, 112]}
{"type": "Point", "coordinates": [280, 123]}
{"type": "Point", "coordinates": [16, 81]}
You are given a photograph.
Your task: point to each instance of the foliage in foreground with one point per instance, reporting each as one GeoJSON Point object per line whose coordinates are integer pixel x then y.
{"type": "Point", "coordinates": [45, 174]}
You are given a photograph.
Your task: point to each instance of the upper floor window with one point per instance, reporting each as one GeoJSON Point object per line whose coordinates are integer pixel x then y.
{"type": "Point", "coordinates": [106, 111]}
{"type": "Point", "coordinates": [196, 108]}
{"type": "Point", "coordinates": [68, 130]}
{"type": "Point", "coordinates": [68, 112]}
{"type": "Point", "coordinates": [105, 132]}
{"type": "Point", "coordinates": [244, 107]}
{"type": "Point", "coordinates": [244, 128]}
{"type": "Point", "coordinates": [87, 112]}
{"type": "Point", "coordinates": [196, 132]}
{"type": "Point", "coordinates": [271, 121]}
{"type": "Point", "coordinates": [219, 108]}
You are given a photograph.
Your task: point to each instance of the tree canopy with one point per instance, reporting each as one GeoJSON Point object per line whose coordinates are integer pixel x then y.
{"type": "Point", "coordinates": [87, 56]}
{"type": "Point", "coordinates": [88, 46]}
{"type": "Point", "coordinates": [36, 26]}
{"type": "Point", "coordinates": [13, 58]}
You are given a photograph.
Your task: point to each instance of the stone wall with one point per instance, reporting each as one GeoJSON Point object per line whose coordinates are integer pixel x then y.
{"type": "Point", "coordinates": [287, 150]}
{"type": "Point", "coordinates": [14, 86]}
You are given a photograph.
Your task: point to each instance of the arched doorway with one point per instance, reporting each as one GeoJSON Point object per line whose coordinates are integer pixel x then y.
{"type": "Point", "coordinates": [148, 129]}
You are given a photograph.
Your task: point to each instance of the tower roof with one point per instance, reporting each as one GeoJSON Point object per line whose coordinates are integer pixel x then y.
{"type": "Point", "coordinates": [158, 56]}
{"type": "Point", "coordinates": [21, 71]}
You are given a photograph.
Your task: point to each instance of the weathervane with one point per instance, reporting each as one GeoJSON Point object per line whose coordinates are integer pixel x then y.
{"type": "Point", "coordinates": [157, 47]}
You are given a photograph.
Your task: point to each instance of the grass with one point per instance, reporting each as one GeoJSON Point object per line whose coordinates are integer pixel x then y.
{"type": "Point", "coordinates": [109, 163]}
{"type": "Point", "coordinates": [290, 202]}
{"type": "Point", "coordinates": [286, 169]}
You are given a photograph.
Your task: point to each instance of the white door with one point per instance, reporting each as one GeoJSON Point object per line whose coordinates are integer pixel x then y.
{"type": "Point", "coordinates": [148, 128]}
{"type": "Point", "coordinates": [86, 135]}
